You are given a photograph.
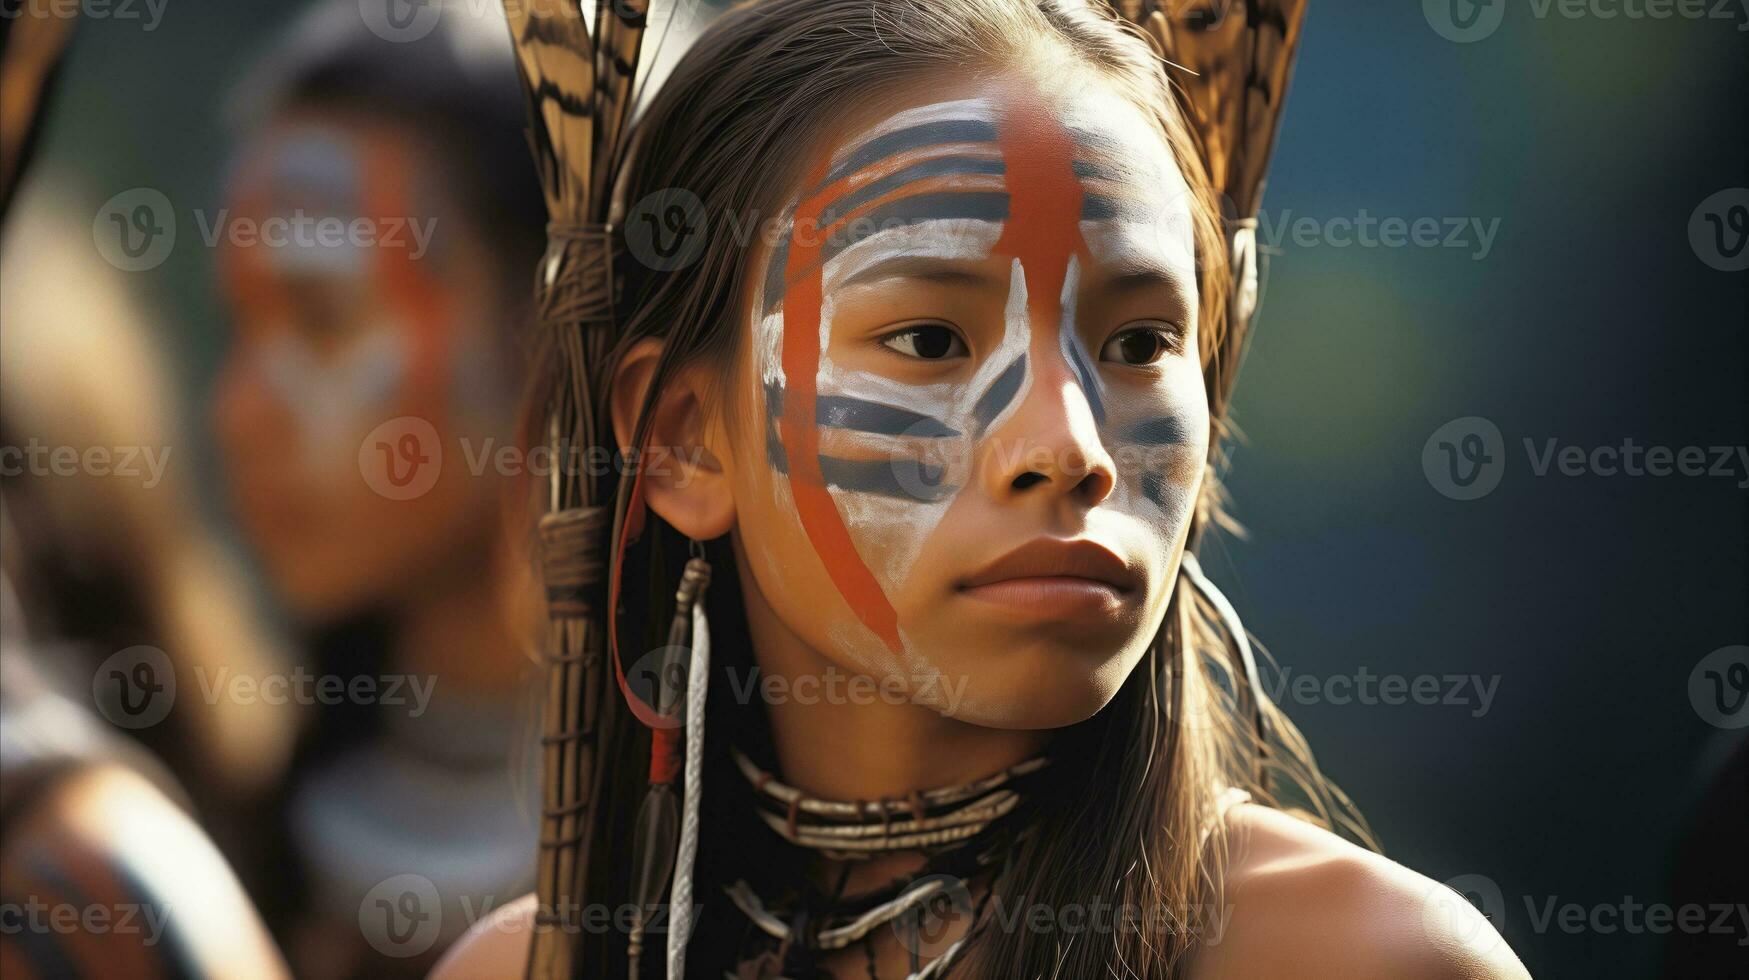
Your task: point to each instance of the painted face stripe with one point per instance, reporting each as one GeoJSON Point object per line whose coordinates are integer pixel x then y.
{"type": "Point", "coordinates": [906, 479]}
{"type": "Point", "coordinates": [938, 167]}
{"type": "Point", "coordinates": [845, 412]}
{"type": "Point", "coordinates": [989, 206]}
{"type": "Point", "coordinates": [1084, 372]}
{"type": "Point", "coordinates": [995, 399]}
{"type": "Point", "coordinates": [1098, 207]}
{"type": "Point", "coordinates": [815, 509]}
{"type": "Point", "coordinates": [774, 269]}
{"type": "Point", "coordinates": [1163, 431]}
{"type": "Point", "coordinates": [909, 138]}
{"type": "Point", "coordinates": [1044, 230]}
{"type": "Point", "coordinates": [1154, 487]}
{"type": "Point", "coordinates": [1093, 170]}
{"type": "Point", "coordinates": [774, 450]}
{"type": "Point", "coordinates": [862, 415]}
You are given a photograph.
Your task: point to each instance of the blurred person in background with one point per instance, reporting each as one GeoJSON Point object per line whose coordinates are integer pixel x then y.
{"type": "Point", "coordinates": [382, 213]}
{"type": "Point", "coordinates": [102, 870]}
{"type": "Point", "coordinates": [107, 542]}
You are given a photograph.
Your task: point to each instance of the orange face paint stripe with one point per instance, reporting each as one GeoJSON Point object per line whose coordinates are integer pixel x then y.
{"type": "Point", "coordinates": [1044, 223]}
{"type": "Point", "coordinates": [819, 516]}
{"type": "Point", "coordinates": [411, 289]}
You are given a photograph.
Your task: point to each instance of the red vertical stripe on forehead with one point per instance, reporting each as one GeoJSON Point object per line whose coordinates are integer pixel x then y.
{"type": "Point", "coordinates": [413, 291]}
{"type": "Point", "coordinates": [820, 519]}
{"type": "Point", "coordinates": [1044, 218]}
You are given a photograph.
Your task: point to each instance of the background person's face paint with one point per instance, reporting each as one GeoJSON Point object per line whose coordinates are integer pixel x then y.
{"type": "Point", "coordinates": [1049, 214]}
{"type": "Point", "coordinates": [333, 339]}
{"type": "Point", "coordinates": [341, 322]}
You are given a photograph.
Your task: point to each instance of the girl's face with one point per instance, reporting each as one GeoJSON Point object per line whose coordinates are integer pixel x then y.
{"type": "Point", "coordinates": [972, 423]}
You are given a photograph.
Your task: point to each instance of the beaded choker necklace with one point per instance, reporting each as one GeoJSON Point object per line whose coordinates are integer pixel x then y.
{"type": "Point", "coordinates": [948, 825]}
{"type": "Point", "coordinates": [927, 821]}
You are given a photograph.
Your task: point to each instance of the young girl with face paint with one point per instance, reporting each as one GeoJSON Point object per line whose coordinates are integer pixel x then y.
{"type": "Point", "coordinates": [943, 430]}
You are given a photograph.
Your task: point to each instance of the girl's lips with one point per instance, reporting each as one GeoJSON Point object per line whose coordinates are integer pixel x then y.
{"type": "Point", "coordinates": [1049, 596]}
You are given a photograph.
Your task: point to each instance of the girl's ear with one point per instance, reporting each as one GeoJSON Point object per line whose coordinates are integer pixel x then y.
{"type": "Point", "coordinates": [684, 479]}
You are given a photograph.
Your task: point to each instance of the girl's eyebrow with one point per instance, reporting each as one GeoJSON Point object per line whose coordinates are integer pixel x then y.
{"type": "Point", "coordinates": [926, 268]}
{"type": "Point", "coordinates": [1134, 277]}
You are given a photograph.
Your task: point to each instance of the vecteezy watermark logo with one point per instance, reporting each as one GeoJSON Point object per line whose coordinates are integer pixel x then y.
{"type": "Point", "coordinates": [127, 462]}
{"type": "Point", "coordinates": [1465, 458]}
{"type": "Point", "coordinates": [658, 679]}
{"type": "Point", "coordinates": [402, 916]}
{"type": "Point", "coordinates": [1718, 687]}
{"type": "Point", "coordinates": [153, 10]}
{"type": "Point", "coordinates": [942, 901]}
{"type": "Point", "coordinates": [36, 916]}
{"type": "Point", "coordinates": [135, 687]}
{"type": "Point", "coordinates": [666, 229]}
{"type": "Point", "coordinates": [1449, 913]}
{"type": "Point", "coordinates": [1463, 21]}
{"type": "Point", "coordinates": [135, 230]}
{"type": "Point", "coordinates": [1363, 229]}
{"type": "Point", "coordinates": [1365, 688]}
{"type": "Point", "coordinates": [1718, 230]}
{"type": "Point", "coordinates": [301, 686]}
{"type": "Point", "coordinates": [402, 458]}
{"type": "Point", "coordinates": [400, 20]}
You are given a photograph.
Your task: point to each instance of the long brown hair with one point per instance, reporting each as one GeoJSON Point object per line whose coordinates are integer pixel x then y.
{"type": "Point", "coordinates": [1132, 825]}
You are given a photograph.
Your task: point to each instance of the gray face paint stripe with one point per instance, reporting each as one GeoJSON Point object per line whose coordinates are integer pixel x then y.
{"type": "Point", "coordinates": [1087, 139]}
{"type": "Point", "coordinates": [906, 479]}
{"type": "Point", "coordinates": [1098, 207]}
{"type": "Point", "coordinates": [773, 411]}
{"type": "Point", "coordinates": [915, 210]}
{"type": "Point", "coordinates": [995, 399]}
{"type": "Point", "coordinates": [1089, 383]}
{"type": "Point", "coordinates": [1163, 431]}
{"type": "Point", "coordinates": [774, 269]}
{"type": "Point", "coordinates": [1091, 170]}
{"type": "Point", "coordinates": [774, 448]}
{"type": "Point", "coordinates": [939, 167]}
{"type": "Point", "coordinates": [1154, 488]}
{"type": "Point", "coordinates": [844, 412]}
{"type": "Point", "coordinates": [912, 138]}
{"type": "Point", "coordinates": [918, 209]}
{"type": "Point", "coordinates": [862, 415]}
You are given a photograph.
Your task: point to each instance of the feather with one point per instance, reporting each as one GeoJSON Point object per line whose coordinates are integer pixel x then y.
{"type": "Point", "coordinates": [1232, 60]}
{"type": "Point", "coordinates": [578, 76]}
{"type": "Point", "coordinates": [1237, 57]}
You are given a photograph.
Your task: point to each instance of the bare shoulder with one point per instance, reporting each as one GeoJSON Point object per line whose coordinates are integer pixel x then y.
{"type": "Point", "coordinates": [496, 947]}
{"type": "Point", "coordinates": [107, 840]}
{"type": "Point", "coordinates": [1301, 901]}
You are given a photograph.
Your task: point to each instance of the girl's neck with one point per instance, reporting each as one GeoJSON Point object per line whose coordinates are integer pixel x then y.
{"type": "Point", "coordinates": [843, 735]}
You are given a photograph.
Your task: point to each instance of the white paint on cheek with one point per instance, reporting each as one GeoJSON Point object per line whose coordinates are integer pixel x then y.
{"type": "Point", "coordinates": [1068, 338]}
{"type": "Point", "coordinates": [334, 402]}
{"type": "Point", "coordinates": [1016, 336]}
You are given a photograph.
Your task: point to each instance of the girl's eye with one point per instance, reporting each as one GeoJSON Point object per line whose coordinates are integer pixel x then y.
{"type": "Point", "coordinates": [928, 341]}
{"type": "Point", "coordinates": [1141, 345]}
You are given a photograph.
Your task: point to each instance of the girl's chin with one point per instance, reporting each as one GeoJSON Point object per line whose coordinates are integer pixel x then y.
{"type": "Point", "coordinates": [1041, 688]}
